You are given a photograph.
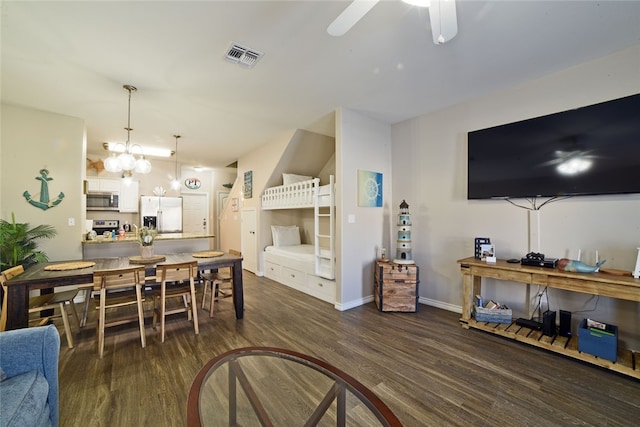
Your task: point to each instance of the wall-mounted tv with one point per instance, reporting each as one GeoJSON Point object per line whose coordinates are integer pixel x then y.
{"type": "Point", "coordinates": [586, 151]}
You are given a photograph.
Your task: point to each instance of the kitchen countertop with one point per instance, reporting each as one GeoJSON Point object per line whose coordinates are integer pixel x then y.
{"type": "Point", "coordinates": [130, 238]}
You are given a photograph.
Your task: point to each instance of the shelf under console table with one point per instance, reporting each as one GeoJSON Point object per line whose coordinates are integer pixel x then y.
{"type": "Point", "coordinates": [620, 287]}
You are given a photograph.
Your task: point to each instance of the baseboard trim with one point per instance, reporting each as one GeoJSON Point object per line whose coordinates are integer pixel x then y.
{"type": "Point", "coordinates": [425, 301]}
{"type": "Point", "coordinates": [440, 304]}
{"type": "Point", "coordinates": [352, 304]}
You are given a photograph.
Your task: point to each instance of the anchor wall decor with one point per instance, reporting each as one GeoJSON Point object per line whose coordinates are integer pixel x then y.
{"type": "Point", "coordinates": [44, 203]}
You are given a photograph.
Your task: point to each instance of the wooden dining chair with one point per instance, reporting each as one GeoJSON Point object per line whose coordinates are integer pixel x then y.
{"type": "Point", "coordinates": [177, 280]}
{"type": "Point", "coordinates": [221, 284]}
{"type": "Point", "coordinates": [118, 288]}
{"type": "Point", "coordinates": [38, 304]}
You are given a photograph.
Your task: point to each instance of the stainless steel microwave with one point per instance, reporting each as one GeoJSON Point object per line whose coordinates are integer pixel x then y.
{"type": "Point", "coordinates": [102, 201]}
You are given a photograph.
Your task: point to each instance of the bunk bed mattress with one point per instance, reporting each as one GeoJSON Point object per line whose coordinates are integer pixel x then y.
{"type": "Point", "coordinates": [303, 253]}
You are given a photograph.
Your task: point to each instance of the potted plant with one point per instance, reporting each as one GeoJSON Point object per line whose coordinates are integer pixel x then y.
{"type": "Point", "coordinates": [146, 236]}
{"type": "Point", "coordinates": [18, 243]}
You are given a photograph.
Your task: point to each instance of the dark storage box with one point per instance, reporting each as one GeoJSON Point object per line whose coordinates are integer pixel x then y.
{"type": "Point", "coordinates": [598, 343]}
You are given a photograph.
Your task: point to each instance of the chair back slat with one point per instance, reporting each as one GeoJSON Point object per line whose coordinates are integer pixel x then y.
{"type": "Point", "coordinates": [183, 273]}
{"type": "Point", "coordinates": [176, 272]}
{"type": "Point", "coordinates": [4, 276]}
{"type": "Point", "coordinates": [115, 280]}
{"type": "Point", "coordinates": [10, 273]}
{"type": "Point", "coordinates": [118, 278]}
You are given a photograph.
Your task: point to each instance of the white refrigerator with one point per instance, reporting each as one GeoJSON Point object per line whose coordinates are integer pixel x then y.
{"type": "Point", "coordinates": [163, 213]}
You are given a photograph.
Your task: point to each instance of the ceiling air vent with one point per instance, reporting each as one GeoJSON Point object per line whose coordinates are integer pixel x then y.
{"type": "Point", "coordinates": [242, 55]}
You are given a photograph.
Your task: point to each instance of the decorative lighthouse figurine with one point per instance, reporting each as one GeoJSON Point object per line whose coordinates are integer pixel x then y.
{"type": "Point", "coordinates": [403, 247]}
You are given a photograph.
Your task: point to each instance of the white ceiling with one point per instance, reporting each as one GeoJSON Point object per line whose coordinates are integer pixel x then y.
{"type": "Point", "coordinates": [72, 58]}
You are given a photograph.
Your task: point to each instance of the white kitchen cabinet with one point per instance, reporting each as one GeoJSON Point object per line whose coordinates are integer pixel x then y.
{"type": "Point", "coordinates": [93, 185]}
{"type": "Point", "coordinates": [110, 185]}
{"type": "Point", "coordinates": [129, 201]}
{"type": "Point", "coordinates": [128, 194]}
{"type": "Point", "coordinates": [103, 185]}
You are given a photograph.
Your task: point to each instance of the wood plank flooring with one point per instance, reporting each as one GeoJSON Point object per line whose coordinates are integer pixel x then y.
{"type": "Point", "coordinates": [423, 365]}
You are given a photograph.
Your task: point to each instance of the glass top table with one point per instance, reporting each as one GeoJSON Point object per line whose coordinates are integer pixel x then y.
{"type": "Point", "coordinates": [265, 386]}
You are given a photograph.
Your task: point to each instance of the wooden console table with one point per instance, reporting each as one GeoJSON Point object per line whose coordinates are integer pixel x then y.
{"type": "Point", "coordinates": [620, 287]}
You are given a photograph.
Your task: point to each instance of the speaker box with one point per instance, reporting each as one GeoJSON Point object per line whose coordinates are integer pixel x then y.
{"type": "Point", "coordinates": [565, 323]}
{"type": "Point", "coordinates": [549, 323]}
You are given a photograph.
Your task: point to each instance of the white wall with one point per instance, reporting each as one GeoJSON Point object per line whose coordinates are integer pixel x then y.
{"type": "Point", "coordinates": [361, 143]}
{"type": "Point", "coordinates": [230, 220]}
{"type": "Point", "coordinates": [429, 171]}
{"type": "Point", "coordinates": [33, 140]}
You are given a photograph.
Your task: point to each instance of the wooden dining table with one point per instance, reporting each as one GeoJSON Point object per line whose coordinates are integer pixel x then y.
{"type": "Point", "coordinates": [39, 277]}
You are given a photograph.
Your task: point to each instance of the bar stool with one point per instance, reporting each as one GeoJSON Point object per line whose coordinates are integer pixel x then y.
{"type": "Point", "coordinates": [221, 284]}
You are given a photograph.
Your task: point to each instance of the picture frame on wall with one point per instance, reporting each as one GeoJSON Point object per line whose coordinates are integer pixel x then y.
{"type": "Point", "coordinates": [248, 184]}
{"type": "Point", "coordinates": [369, 189]}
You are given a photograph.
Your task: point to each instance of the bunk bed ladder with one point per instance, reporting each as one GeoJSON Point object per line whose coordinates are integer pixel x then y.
{"type": "Point", "coordinates": [327, 268]}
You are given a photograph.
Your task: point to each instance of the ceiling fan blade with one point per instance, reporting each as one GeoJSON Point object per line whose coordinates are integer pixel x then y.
{"type": "Point", "coordinates": [350, 16]}
{"type": "Point", "coordinates": [444, 22]}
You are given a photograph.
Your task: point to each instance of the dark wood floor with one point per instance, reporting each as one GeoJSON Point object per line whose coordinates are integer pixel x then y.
{"type": "Point", "coordinates": [423, 365]}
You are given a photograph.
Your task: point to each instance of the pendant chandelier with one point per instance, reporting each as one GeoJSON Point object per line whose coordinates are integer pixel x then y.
{"type": "Point", "coordinates": [175, 182]}
{"type": "Point", "coordinates": [126, 161]}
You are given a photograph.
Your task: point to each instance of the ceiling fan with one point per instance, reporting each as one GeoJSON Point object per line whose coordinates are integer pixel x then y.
{"type": "Point", "coordinates": [442, 14]}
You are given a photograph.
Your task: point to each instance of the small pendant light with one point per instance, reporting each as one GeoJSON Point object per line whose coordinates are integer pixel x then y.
{"type": "Point", "coordinates": [175, 182]}
{"type": "Point", "coordinates": [126, 161]}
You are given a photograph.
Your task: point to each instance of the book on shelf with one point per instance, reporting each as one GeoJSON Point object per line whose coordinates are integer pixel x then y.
{"type": "Point", "coordinates": [477, 301]}
{"type": "Point", "coordinates": [493, 305]}
{"type": "Point", "coordinates": [602, 331]}
{"type": "Point", "coordinates": [595, 324]}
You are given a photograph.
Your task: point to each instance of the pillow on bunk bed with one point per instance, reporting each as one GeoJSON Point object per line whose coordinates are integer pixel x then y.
{"type": "Point", "coordinates": [285, 235]}
{"type": "Point", "coordinates": [291, 178]}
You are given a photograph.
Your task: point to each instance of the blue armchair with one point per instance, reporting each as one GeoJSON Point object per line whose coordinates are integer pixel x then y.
{"type": "Point", "coordinates": [29, 376]}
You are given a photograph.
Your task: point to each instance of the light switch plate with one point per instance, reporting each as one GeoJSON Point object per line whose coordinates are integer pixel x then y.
{"type": "Point", "coordinates": [71, 222]}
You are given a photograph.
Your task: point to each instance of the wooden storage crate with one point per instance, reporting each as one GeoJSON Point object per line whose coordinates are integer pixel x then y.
{"type": "Point", "coordinates": [396, 287]}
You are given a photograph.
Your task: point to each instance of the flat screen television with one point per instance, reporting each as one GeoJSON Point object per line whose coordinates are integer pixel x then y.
{"type": "Point", "coordinates": [586, 151]}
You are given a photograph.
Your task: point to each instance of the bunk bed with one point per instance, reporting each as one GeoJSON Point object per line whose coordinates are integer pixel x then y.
{"type": "Point", "coordinates": [308, 268]}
